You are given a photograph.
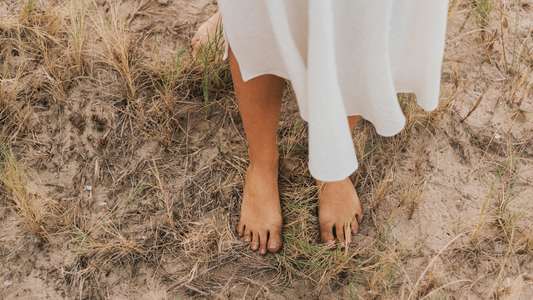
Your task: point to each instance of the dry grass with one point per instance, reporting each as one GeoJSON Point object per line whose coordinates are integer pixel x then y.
{"type": "Point", "coordinates": [34, 207]}
{"type": "Point", "coordinates": [89, 99]}
{"type": "Point", "coordinates": [120, 51]}
{"type": "Point", "coordinates": [77, 29]}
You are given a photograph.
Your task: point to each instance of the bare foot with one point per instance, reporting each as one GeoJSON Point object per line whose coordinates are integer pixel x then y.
{"type": "Point", "coordinates": [339, 211]}
{"type": "Point", "coordinates": [208, 33]}
{"type": "Point", "coordinates": [261, 219]}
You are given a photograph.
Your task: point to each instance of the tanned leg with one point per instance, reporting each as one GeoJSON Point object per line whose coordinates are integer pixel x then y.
{"type": "Point", "coordinates": [260, 106]}
{"type": "Point", "coordinates": [339, 210]}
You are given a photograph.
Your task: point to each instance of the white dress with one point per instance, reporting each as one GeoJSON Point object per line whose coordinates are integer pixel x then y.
{"type": "Point", "coordinates": [343, 57]}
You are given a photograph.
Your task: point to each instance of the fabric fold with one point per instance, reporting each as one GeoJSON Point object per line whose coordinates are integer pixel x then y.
{"type": "Point", "coordinates": [330, 140]}
{"type": "Point", "coordinates": [343, 58]}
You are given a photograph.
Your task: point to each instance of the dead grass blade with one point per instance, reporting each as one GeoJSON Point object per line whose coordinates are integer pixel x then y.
{"type": "Point", "coordinates": [476, 105]}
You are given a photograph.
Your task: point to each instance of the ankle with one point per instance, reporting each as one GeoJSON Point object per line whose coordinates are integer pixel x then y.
{"type": "Point", "coordinates": [264, 159]}
{"type": "Point", "coordinates": [329, 185]}
{"type": "Point", "coordinates": [264, 166]}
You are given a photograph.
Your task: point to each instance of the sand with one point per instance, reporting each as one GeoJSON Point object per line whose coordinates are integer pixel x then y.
{"type": "Point", "coordinates": [447, 201]}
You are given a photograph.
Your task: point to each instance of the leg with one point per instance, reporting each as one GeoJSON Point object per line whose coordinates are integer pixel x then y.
{"type": "Point", "coordinates": [339, 210]}
{"type": "Point", "coordinates": [260, 106]}
{"type": "Point", "coordinates": [352, 121]}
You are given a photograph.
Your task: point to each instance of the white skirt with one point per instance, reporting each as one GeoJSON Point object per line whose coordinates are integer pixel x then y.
{"type": "Point", "coordinates": [344, 58]}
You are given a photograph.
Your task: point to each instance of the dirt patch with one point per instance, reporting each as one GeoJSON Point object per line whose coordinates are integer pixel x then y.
{"type": "Point", "coordinates": [78, 121]}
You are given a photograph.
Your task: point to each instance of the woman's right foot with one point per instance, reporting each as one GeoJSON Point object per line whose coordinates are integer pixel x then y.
{"type": "Point", "coordinates": [339, 212]}
{"type": "Point", "coordinates": [261, 219]}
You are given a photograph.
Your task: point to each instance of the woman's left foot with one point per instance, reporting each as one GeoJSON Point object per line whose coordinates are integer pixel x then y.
{"type": "Point", "coordinates": [339, 211]}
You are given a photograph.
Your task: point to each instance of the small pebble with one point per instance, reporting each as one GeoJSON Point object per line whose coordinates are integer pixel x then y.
{"type": "Point", "coordinates": [163, 2]}
{"type": "Point", "coordinates": [497, 136]}
{"type": "Point", "coordinates": [507, 282]}
{"type": "Point", "coordinates": [8, 282]}
{"type": "Point", "coordinates": [102, 203]}
{"type": "Point", "coordinates": [88, 188]}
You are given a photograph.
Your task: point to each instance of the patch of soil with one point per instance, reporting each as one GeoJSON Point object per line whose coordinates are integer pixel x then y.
{"type": "Point", "coordinates": [146, 191]}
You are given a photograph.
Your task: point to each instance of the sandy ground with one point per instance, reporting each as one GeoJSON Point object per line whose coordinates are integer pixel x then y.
{"type": "Point", "coordinates": [447, 201]}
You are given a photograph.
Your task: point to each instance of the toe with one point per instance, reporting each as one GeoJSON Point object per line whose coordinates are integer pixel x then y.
{"type": "Point", "coordinates": [348, 233]}
{"type": "Point", "coordinates": [274, 240]}
{"type": "Point", "coordinates": [240, 229]}
{"type": "Point", "coordinates": [326, 233]}
{"type": "Point", "coordinates": [194, 42]}
{"type": "Point", "coordinates": [360, 218]}
{"type": "Point", "coordinates": [247, 235]}
{"type": "Point", "coordinates": [195, 39]}
{"type": "Point", "coordinates": [340, 234]}
{"type": "Point", "coordinates": [263, 243]}
{"type": "Point", "coordinates": [355, 229]}
{"type": "Point", "coordinates": [255, 241]}
{"type": "Point", "coordinates": [197, 43]}
{"type": "Point", "coordinates": [355, 225]}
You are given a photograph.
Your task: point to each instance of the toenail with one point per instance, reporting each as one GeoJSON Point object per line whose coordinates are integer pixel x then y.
{"type": "Point", "coordinates": [263, 251]}
{"type": "Point", "coordinates": [255, 247]}
{"type": "Point", "coordinates": [273, 246]}
{"type": "Point", "coordinates": [246, 239]}
{"type": "Point", "coordinates": [329, 243]}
